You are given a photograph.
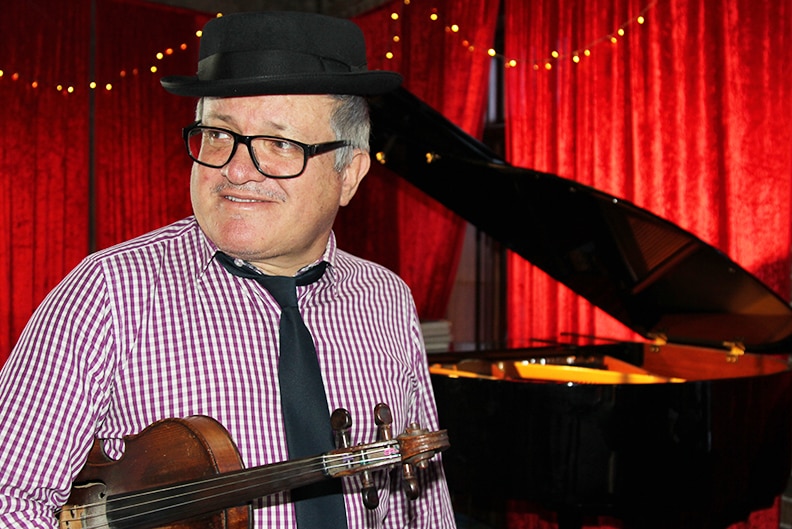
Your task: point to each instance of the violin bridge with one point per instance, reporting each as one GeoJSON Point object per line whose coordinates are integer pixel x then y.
{"type": "Point", "coordinates": [87, 508]}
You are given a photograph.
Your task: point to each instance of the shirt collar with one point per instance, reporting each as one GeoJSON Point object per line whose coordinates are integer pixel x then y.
{"type": "Point", "coordinates": [207, 250]}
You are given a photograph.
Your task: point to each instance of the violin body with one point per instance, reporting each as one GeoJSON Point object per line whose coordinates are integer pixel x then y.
{"type": "Point", "coordinates": [167, 452]}
{"type": "Point", "coordinates": [187, 473]}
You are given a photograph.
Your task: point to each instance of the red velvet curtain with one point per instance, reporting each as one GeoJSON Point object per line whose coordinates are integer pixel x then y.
{"type": "Point", "coordinates": [688, 115]}
{"type": "Point", "coordinates": [85, 168]}
{"type": "Point", "coordinates": [43, 155]}
{"type": "Point", "coordinates": [142, 170]}
{"type": "Point", "coordinates": [390, 221]}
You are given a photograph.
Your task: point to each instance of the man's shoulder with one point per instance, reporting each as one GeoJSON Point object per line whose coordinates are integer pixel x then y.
{"type": "Point", "coordinates": [352, 267]}
{"type": "Point", "coordinates": [177, 236]}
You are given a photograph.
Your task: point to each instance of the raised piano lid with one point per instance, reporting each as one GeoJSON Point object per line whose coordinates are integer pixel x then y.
{"type": "Point", "coordinates": [654, 277]}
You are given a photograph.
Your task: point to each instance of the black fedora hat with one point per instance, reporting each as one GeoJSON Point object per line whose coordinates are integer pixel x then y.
{"type": "Point", "coordinates": [279, 52]}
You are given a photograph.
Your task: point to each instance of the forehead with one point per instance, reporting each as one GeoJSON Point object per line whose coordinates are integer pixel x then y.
{"type": "Point", "coordinates": [278, 112]}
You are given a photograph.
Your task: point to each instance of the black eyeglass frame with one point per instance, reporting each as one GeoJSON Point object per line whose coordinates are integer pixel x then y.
{"type": "Point", "coordinates": [309, 150]}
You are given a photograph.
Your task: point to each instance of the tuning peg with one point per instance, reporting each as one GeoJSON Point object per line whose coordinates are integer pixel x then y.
{"type": "Point", "coordinates": [410, 485]}
{"type": "Point", "coordinates": [369, 491]}
{"type": "Point", "coordinates": [341, 422]}
{"type": "Point", "coordinates": [383, 420]}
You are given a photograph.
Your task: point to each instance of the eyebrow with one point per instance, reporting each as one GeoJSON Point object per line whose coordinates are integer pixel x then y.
{"type": "Point", "coordinates": [231, 121]}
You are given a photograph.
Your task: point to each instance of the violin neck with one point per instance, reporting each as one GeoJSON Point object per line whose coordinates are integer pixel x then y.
{"type": "Point", "coordinates": [162, 506]}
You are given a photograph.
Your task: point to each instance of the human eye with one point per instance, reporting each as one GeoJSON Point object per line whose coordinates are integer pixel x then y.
{"type": "Point", "coordinates": [218, 137]}
{"type": "Point", "coordinates": [282, 147]}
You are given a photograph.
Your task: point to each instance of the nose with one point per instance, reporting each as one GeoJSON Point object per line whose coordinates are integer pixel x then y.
{"type": "Point", "coordinates": [241, 168]}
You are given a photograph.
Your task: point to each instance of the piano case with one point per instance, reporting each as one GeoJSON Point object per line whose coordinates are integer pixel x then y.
{"type": "Point", "coordinates": [691, 428]}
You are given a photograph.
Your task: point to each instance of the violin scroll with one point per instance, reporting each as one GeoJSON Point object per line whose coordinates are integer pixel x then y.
{"type": "Point", "coordinates": [411, 450]}
{"type": "Point", "coordinates": [416, 446]}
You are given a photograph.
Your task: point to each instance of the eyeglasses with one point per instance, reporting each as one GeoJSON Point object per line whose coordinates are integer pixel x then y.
{"type": "Point", "coordinates": [273, 156]}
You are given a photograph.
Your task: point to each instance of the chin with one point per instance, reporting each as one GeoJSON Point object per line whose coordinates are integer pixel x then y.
{"type": "Point", "coordinates": [243, 248]}
{"type": "Point", "coordinates": [238, 239]}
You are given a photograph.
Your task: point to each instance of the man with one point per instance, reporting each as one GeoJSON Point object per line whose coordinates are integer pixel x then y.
{"type": "Point", "coordinates": [180, 322]}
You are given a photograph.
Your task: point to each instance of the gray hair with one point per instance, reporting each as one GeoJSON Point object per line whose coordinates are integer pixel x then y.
{"type": "Point", "coordinates": [349, 121]}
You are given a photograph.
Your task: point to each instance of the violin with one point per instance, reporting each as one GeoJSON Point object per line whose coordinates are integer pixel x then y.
{"type": "Point", "coordinates": [187, 473]}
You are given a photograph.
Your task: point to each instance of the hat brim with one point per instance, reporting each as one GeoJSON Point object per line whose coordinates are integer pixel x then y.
{"type": "Point", "coordinates": [372, 82]}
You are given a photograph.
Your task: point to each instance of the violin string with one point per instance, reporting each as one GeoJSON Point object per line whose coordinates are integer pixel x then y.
{"type": "Point", "coordinates": [327, 461]}
{"type": "Point", "coordinates": [306, 471]}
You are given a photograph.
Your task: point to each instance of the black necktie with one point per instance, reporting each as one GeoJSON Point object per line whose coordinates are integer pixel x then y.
{"type": "Point", "coordinates": [303, 398]}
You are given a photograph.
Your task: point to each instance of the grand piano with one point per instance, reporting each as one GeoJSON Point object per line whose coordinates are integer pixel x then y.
{"type": "Point", "coordinates": [689, 428]}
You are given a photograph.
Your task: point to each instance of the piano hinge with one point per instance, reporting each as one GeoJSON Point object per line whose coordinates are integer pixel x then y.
{"type": "Point", "coordinates": [736, 350]}
{"type": "Point", "coordinates": [659, 339]}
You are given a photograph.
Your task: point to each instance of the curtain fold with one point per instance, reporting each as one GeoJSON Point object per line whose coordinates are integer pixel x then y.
{"type": "Point", "coordinates": [688, 115]}
{"type": "Point", "coordinates": [85, 168]}
{"type": "Point", "coordinates": [43, 153]}
{"type": "Point", "coordinates": [142, 170]}
{"type": "Point", "coordinates": [402, 228]}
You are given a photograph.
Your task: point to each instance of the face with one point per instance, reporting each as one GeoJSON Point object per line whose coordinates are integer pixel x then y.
{"type": "Point", "coordinates": [279, 225]}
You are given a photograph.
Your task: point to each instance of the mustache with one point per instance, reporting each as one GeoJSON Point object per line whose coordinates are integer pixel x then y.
{"type": "Point", "coordinates": [252, 190]}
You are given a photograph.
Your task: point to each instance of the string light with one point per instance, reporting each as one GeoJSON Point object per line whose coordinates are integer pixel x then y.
{"type": "Point", "coordinates": [554, 56]}
{"type": "Point", "coordinates": [108, 85]}
{"type": "Point", "coordinates": [576, 56]}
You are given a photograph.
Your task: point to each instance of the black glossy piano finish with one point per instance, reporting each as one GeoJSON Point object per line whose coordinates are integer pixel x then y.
{"type": "Point", "coordinates": [695, 454]}
{"type": "Point", "coordinates": [698, 453]}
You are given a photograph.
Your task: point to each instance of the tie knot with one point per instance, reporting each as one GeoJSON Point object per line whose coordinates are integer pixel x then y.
{"type": "Point", "coordinates": [282, 288]}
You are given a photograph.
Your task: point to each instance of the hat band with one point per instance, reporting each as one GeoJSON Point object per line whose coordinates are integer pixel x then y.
{"type": "Point", "coordinates": [257, 63]}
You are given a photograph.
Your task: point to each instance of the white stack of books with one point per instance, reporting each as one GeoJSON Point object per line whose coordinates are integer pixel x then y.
{"type": "Point", "coordinates": [437, 335]}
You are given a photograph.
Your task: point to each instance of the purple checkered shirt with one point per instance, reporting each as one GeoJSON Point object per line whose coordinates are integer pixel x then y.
{"type": "Point", "coordinates": [155, 328]}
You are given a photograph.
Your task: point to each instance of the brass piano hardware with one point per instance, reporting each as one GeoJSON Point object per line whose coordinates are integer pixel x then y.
{"type": "Point", "coordinates": [736, 350]}
{"type": "Point", "coordinates": [431, 157]}
{"type": "Point", "coordinates": [382, 154]}
{"type": "Point", "coordinates": [658, 341]}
